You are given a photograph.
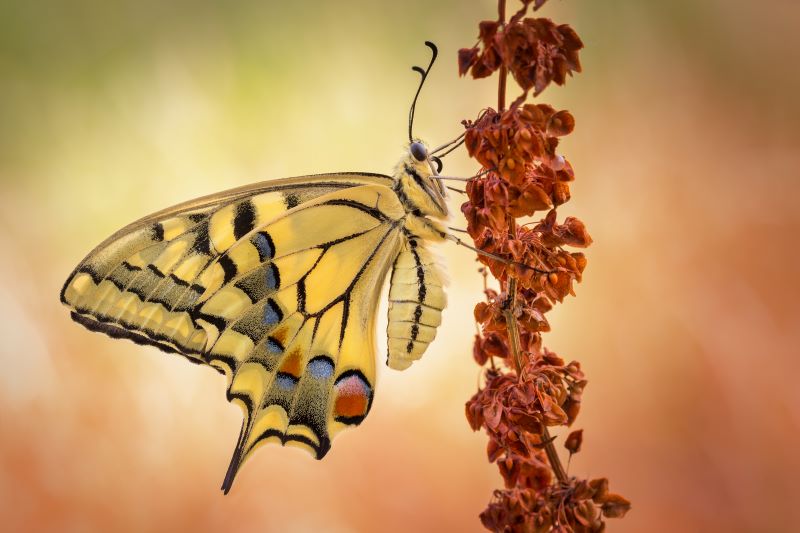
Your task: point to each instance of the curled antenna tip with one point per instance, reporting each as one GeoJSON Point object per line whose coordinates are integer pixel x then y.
{"type": "Point", "coordinates": [423, 72]}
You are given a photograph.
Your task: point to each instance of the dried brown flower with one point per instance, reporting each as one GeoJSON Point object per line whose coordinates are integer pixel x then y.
{"type": "Point", "coordinates": [527, 388]}
{"type": "Point", "coordinates": [578, 506]}
{"type": "Point", "coordinates": [536, 51]}
{"type": "Point", "coordinates": [541, 52]}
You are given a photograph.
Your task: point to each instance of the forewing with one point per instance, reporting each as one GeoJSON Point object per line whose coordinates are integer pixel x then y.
{"type": "Point", "coordinates": [141, 282]}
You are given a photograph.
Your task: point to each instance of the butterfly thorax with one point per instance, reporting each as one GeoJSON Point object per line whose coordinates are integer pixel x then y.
{"type": "Point", "coordinates": [422, 197]}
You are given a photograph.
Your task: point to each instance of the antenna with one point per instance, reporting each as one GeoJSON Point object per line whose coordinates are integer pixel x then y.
{"type": "Point", "coordinates": [424, 74]}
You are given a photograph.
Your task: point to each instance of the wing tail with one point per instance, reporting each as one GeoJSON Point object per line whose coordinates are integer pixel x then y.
{"type": "Point", "coordinates": [236, 461]}
{"type": "Point", "coordinates": [282, 407]}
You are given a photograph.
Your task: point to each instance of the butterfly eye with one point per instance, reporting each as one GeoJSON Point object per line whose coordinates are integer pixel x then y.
{"type": "Point", "coordinates": [419, 151]}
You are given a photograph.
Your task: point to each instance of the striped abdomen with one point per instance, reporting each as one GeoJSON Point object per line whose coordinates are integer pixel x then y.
{"type": "Point", "coordinates": [416, 301]}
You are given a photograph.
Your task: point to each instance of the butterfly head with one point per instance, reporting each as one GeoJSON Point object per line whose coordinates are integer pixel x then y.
{"type": "Point", "coordinates": [416, 177]}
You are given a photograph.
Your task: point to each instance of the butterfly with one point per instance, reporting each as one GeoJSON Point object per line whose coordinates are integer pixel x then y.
{"type": "Point", "coordinates": [276, 285]}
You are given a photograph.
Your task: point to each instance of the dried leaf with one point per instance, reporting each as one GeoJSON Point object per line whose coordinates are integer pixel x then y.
{"type": "Point", "coordinates": [574, 441]}
{"type": "Point", "coordinates": [560, 124]}
{"type": "Point", "coordinates": [466, 58]}
{"type": "Point", "coordinates": [615, 506]}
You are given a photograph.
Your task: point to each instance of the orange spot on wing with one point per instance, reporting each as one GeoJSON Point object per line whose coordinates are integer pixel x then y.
{"type": "Point", "coordinates": [291, 364]}
{"type": "Point", "coordinates": [350, 406]}
{"type": "Point", "coordinates": [352, 397]}
{"type": "Point", "coordinates": [280, 335]}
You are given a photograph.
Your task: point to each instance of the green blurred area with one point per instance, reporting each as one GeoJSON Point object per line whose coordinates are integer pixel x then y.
{"type": "Point", "coordinates": [101, 65]}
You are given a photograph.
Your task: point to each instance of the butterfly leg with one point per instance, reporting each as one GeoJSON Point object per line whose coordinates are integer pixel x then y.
{"type": "Point", "coordinates": [497, 258]}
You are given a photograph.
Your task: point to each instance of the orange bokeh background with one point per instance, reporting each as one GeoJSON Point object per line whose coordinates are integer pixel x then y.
{"type": "Point", "coordinates": [687, 158]}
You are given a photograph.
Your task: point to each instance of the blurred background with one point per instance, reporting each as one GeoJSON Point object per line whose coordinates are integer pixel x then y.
{"type": "Point", "coordinates": [686, 153]}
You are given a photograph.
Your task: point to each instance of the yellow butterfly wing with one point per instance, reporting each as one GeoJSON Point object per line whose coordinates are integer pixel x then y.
{"type": "Point", "coordinates": [138, 283]}
{"type": "Point", "coordinates": [274, 286]}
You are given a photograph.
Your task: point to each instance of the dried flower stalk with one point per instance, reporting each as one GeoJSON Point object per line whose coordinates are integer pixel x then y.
{"type": "Point", "coordinates": [527, 388]}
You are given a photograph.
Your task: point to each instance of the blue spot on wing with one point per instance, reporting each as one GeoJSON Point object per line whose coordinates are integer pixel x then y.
{"type": "Point", "coordinates": [272, 278]}
{"type": "Point", "coordinates": [272, 313]}
{"type": "Point", "coordinates": [273, 346]}
{"type": "Point", "coordinates": [263, 243]}
{"type": "Point", "coordinates": [285, 381]}
{"type": "Point", "coordinates": [320, 367]}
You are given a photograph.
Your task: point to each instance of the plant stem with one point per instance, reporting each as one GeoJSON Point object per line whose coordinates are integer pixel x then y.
{"type": "Point", "coordinates": [511, 321]}
{"type": "Point", "coordinates": [513, 335]}
{"type": "Point", "coordinates": [501, 90]}
{"type": "Point", "coordinates": [511, 324]}
{"type": "Point", "coordinates": [501, 86]}
{"type": "Point", "coordinates": [552, 456]}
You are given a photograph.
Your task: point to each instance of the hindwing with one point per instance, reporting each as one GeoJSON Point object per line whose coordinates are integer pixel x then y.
{"type": "Point", "coordinates": [300, 346]}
